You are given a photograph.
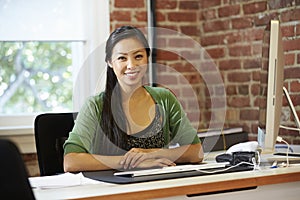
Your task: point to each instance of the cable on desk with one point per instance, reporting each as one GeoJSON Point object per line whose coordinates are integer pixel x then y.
{"type": "Point", "coordinates": [289, 128]}
{"type": "Point", "coordinates": [224, 170]}
{"type": "Point", "coordinates": [280, 139]}
{"type": "Point", "coordinates": [224, 139]}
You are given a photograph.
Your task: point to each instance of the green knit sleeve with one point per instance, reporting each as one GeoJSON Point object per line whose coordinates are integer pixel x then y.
{"type": "Point", "coordinates": [181, 129]}
{"type": "Point", "coordinates": [86, 125]}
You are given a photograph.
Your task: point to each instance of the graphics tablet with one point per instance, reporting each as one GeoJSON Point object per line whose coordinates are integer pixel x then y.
{"type": "Point", "coordinates": [111, 177]}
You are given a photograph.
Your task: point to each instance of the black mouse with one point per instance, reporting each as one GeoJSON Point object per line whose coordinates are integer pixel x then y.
{"type": "Point", "coordinates": [225, 157]}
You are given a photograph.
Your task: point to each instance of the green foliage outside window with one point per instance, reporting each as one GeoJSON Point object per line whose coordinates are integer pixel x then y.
{"type": "Point", "coordinates": [35, 77]}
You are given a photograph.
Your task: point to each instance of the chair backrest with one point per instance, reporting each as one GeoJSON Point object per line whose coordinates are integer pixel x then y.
{"type": "Point", "coordinates": [14, 183]}
{"type": "Point", "coordinates": [51, 130]}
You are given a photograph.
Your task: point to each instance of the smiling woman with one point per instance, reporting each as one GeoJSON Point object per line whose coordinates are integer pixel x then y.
{"type": "Point", "coordinates": [130, 124]}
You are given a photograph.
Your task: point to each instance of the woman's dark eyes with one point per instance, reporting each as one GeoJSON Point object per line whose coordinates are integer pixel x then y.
{"type": "Point", "coordinates": [139, 56]}
{"type": "Point", "coordinates": [123, 58]}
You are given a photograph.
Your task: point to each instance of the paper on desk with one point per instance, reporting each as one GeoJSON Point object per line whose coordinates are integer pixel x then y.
{"type": "Point", "coordinates": [61, 180]}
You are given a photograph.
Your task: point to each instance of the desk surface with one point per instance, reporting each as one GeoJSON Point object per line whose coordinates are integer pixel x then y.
{"type": "Point", "coordinates": [175, 187]}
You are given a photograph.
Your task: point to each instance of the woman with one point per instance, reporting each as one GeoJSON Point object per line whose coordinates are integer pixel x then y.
{"type": "Point", "coordinates": [130, 125]}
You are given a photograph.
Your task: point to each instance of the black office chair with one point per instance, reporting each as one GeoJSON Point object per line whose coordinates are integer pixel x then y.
{"type": "Point", "coordinates": [14, 183]}
{"type": "Point", "coordinates": [51, 131]}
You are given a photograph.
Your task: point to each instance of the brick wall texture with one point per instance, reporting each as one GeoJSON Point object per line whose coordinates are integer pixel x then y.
{"type": "Point", "coordinates": [231, 34]}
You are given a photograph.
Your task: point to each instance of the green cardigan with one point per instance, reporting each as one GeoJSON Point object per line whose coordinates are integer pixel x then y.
{"type": "Point", "coordinates": [87, 135]}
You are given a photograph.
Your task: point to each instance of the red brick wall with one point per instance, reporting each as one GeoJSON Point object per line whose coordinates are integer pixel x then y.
{"type": "Point", "coordinates": [231, 32]}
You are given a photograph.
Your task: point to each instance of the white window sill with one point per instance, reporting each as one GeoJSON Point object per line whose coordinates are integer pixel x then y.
{"type": "Point", "coordinates": [16, 130]}
{"type": "Point", "coordinates": [22, 136]}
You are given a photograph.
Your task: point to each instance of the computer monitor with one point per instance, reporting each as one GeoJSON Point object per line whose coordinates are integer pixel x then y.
{"type": "Point", "coordinates": [272, 74]}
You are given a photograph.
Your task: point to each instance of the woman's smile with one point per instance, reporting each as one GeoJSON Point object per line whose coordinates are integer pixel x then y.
{"type": "Point", "coordinates": [132, 74]}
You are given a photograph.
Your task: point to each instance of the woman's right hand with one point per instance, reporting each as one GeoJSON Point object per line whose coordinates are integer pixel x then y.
{"type": "Point", "coordinates": [142, 158]}
{"type": "Point", "coordinates": [160, 162]}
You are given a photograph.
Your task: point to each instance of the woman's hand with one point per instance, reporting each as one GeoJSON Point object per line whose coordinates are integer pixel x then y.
{"type": "Point", "coordinates": [136, 157]}
{"type": "Point", "coordinates": [161, 162]}
{"type": "Point", "coordinates": [183, 154]}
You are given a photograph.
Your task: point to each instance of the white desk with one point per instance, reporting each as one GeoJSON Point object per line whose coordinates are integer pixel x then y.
{"type": "Point", "coordinates": [179, 187]}
{"type": "Point", "coordinates": [286, 191]}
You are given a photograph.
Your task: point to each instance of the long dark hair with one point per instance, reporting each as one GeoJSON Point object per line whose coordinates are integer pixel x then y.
{"type": "Point", "coordinates": [113, 120]}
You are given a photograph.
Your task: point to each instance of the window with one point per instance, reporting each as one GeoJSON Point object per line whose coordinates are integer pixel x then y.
{"type": "Point", "coordinates": [35, 77]}
{"type": "Point", "coordinates": [53, 38]}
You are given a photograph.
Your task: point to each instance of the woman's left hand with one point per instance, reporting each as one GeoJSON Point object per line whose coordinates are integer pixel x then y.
{"type": "Point", "coordinates": [135, 156]}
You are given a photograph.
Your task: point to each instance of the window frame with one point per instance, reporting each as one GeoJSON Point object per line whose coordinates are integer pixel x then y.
{"type": "Point", "coordinates": [95, 17]}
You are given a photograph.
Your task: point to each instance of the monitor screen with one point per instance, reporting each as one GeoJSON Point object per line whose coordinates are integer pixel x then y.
{"type": "Point", "coordinates": [272, 75]}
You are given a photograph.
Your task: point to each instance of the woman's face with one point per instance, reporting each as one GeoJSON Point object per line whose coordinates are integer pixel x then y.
{"type": "Point", "coordinates": [129, 62]}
